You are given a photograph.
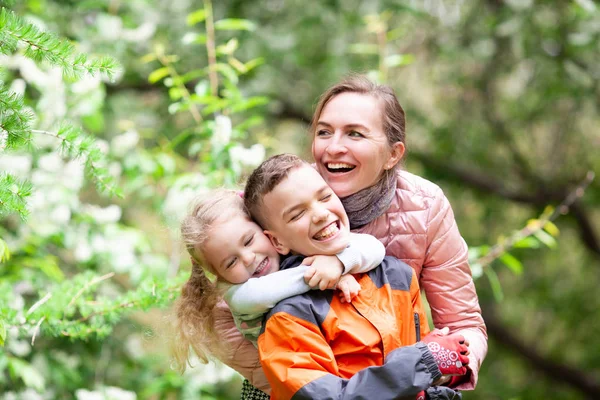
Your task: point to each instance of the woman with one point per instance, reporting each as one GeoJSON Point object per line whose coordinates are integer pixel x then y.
{"type": "Point", "coordinates": [358, 142]}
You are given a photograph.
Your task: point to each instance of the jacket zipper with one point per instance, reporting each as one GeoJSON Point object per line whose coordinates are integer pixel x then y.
{"type": "Point", "coordinates": [418, 326]}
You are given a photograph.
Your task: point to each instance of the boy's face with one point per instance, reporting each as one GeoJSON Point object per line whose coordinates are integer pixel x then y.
{"type": "Point", "coordinates": [238, 250]}
{"type": "Point", "coordinates": [305, 216]}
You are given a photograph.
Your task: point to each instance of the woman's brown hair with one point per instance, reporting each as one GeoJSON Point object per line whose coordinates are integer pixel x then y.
{"type": "Point", "coordinates": [194, 325]}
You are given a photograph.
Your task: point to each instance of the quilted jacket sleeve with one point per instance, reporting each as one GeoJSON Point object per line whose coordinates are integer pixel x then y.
{"type": "Point", "coordinates": [448, 284]}
{"type": "Point", "coordinates": [243, 356]}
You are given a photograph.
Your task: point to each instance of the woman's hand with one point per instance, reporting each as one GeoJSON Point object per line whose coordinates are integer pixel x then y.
{"type": "Point", "coordinates": [450, 352]}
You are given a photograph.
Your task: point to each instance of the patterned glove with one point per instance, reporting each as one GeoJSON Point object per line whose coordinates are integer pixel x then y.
{"type": "Point", "coordinates": [449, 353]}
{"type": "Point", "coordinates": [421, 395]}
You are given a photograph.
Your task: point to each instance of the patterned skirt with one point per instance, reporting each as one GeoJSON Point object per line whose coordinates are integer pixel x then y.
{"type": "Point", "coordinates": [249, 392]}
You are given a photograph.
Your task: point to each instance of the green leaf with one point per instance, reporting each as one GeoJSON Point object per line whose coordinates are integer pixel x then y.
{"type": "Point", "coordinates": [228, 48]}
{"type": "Point", "coordinates": [527, 243]}
{"type": "Point", "coordinates": [495, 284]}
{"type": "Point", "coordinates": [29, 375]}
{"type": "Point", "coordinates": [512, 263]}
{"type": "Point", "coordinates": [196, 16]}
{"type": "Point", "coordinates": [254, 63]}
{"type": "Point", "coordinates": [396, 60]}
{"type": "Point", "coordinates": [158, 74]}
{"type": "Point", "coordinates": [551, 229]}
{"type": "Point", "coordinates": [362, 48]}
{"type": "Point", "coordinates": [4, 251]}
{"type": "Point", "coordinates": [2, 332]}
{"type": "Point", "coordinates": [148, 58]}
{"type": "Point", "coordinates": [227, 72]}
{"type": "Point", "coordinates": [545, 238]}
{"type": "Point", "coordinates": [235, 24]}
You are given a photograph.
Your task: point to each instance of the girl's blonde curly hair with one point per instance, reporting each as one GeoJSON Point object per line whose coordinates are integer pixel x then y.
{"type": "Point", "coordinates": [194, 310]}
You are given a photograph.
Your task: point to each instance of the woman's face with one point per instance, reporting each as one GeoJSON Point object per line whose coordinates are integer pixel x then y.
{"type": "Point", "coordinates": [350, 147]}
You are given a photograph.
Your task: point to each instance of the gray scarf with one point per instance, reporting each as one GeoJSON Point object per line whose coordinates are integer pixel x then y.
{"type": "Point", "coordinates": [364, 206]}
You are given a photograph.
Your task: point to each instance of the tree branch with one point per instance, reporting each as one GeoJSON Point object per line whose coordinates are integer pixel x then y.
{"type": "Point", "coordinates": [557, 372]}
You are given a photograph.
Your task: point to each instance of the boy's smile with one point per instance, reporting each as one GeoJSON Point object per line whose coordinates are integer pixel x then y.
{"type": "Point", "coordinates": [305, 216]}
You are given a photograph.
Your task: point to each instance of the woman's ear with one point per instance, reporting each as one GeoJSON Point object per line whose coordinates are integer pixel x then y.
{"type": "Point", "coordinates": [396, 154]}
{"type": "Point", "coordinates": [280, 247]}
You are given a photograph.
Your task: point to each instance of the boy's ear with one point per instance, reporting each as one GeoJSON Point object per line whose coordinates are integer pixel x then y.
{"type": "Point", "coordinates": [280, 247]}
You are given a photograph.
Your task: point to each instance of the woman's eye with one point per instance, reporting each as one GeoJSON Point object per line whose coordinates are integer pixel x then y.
{"type": "Point", "coordinates": [355, 134]}
{"type": "Point", "coordinates": [322, 132]}
{"type": "Point", "coordinates": [249, 240]}
{"type": "Point", "coordinates": [326, 197]}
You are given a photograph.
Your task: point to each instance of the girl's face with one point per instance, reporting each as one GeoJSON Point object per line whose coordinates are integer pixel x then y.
{"type": "Point", "coordinates": [238, 250]}
{"type": "Point", "coordinates": [350, 148]}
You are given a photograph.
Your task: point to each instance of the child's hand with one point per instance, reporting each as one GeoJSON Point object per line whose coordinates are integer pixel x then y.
{"type": "Point", "coordinates": [325, 271]}
{"type": "Point", "coordinates": [348, 288]}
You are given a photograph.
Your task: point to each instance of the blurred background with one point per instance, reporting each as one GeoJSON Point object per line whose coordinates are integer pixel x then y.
{"type": "Point", "coordinates": [502, 101]}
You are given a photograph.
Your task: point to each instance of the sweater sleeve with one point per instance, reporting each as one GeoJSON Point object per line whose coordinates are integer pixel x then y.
{"type": "Point", "coordinates": [364, 252]}
{"type": "Point", "coordinates": [448, 284]}
{"type": "Point", "coordinates": [243, 355]}
{"type": "Point", "coordinates": [259, 295]}
{"type": "Point", "coordinates": [305, 367]}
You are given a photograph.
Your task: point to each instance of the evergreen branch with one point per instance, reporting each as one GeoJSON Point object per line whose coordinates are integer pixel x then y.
{"type": "Point", "coordinates": [15, 120]}
{"type": "Point", "coordinates": [75, 143]}
{"type": "Point", "coordinates": [47, 47]}
{"type": "Point", "coordinates": [13, 194]}
{"type": "Point", "coordinates": [91, 283]}
{"type": "Point", "coordinates": [499, 249]}
{"type": "Point", "coordinates": [36, 330]}
{"type": "Point", "coordinates": [38, 303]}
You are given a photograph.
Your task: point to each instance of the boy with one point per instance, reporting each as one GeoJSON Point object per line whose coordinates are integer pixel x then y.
{"type": "Point", "coordinates": [315, 346]}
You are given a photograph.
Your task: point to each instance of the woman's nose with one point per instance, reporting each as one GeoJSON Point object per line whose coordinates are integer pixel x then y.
{"type": "Point", "coordinates": [336, 145]}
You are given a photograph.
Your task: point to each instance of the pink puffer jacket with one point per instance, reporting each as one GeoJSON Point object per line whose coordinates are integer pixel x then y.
{"type": "Point", "coordinates": [418, 228]}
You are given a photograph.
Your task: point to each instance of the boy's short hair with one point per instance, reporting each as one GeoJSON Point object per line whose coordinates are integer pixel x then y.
{"type": "Point", "coordinates": [264, 179]}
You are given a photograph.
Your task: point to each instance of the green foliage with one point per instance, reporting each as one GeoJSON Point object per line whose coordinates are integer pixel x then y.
{"type": "Point", "coordinates": [46, 47]}
{"type": "Point", "coordinates": [13, 195]}
{"type": "Point", "coordinates": [500, 99]}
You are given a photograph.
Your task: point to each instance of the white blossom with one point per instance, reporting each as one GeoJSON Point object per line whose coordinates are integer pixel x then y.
{"type": "Point", "coordinates": [222, 133]}
{"type": "Point", "coordinates": [140, 34]}
{"type": "Point", "coordinates": [180, 194]}
{"type": "Point", "coordinates": [250, 157]}
{"type": "Point", "coordinates": [3, 139]}
{"type": "Point", "coordinates": [103, 215]}
{"type": "Point", "coordinates": [61, 214]}
{"type": "Point", "coordinates": [84, 394]}
{"type": "Point", "coordinates": [83, 251]}
{"type": "Point", "coordinates": [122, 144]}
{"type": "Point", "coordinates": [18, 86]}
{"type": "Point", "coordinates": [51, 162]}
{"type": "Point", "coordinates": [17, 165]}
{"type": "Point", "coordinates": [109, 26]}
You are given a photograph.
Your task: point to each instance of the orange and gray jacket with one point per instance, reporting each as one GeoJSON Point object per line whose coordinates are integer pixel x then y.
{"type": "Point", "coordinates": [315, 347]}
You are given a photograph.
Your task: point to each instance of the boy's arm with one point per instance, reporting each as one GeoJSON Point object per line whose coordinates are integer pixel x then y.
{"type": "Point", "coordinates": [364, 252]}
{"type": "Point", "coordinates": [259, 295]}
